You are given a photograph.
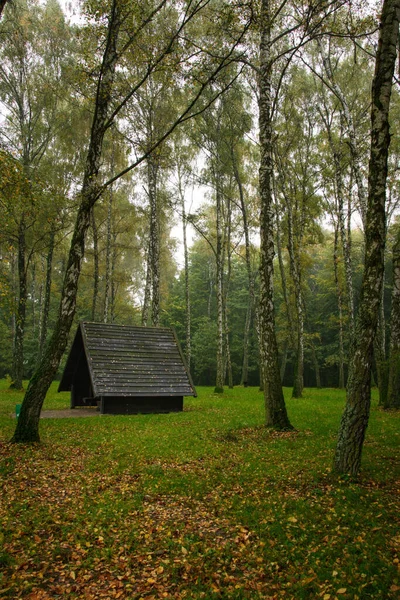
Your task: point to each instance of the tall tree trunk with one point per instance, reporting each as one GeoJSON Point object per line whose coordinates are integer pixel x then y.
{"type": "Point", "coordinates": [291, 335]}
{"type": "Point", "coordinates": [47, 291]}
{"type": "Point", "coordinates": [340, 305]}
{"type": "Point", "coordinates": [33, 300]}
{"type": "Point", "coordinates": [316, 366]}
{"type": "Point", "coordinates": [250, 277]}
{"type": "Point", "coordinates": [344, 233]}
{"type": "Point", "coordinates": [188, 349]}
{"type": "Point", "coordinates": [393, 396]}
{"type": "Point", "coordinates": [356, 413]}
{"type": "Point", "coordinates": [382, 367]}
{"type": "Point", "coordinates": [95, 263]}
{"type": "Point", "coordinates": [219, 382]}
{"type": "Point", "coordinates": [147, 289]}
{"type": "Point", "coordinates": [19, 332]}
{"type": "Point", "coordinates": [275, 408]}
{"type": "Point", "coordinates": [113, 282]}
{"type": "Point", "coordinates": [210, 289]}
{"type": "Point", "coordinates": [295, 272]}
{"type": "Point", "coordinates": [152, 170]}
{"type": "Point", "coordinates": [228, 360]}
{"type": "Point", "coordinates": [27, 429]}
{"type": "Point", "coordinates": [108, 257]}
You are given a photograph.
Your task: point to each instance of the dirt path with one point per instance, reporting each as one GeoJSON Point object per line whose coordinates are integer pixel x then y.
{"type": "Point", "coordinates": [69, 413]}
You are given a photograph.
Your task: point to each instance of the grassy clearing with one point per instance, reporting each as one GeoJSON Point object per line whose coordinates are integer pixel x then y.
{"type": "Point", "coordinates": [200, 504]}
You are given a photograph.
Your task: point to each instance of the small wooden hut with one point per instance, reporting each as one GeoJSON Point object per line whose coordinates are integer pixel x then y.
{"type": "Point", "coordinates": [126, 370]}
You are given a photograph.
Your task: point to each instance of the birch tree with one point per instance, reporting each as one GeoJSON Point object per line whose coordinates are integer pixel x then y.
{"type": "Point", "coordinates": [122, 31]}
{"type": "Point", "coordinates": [355, 417]}
{"type": "Point", "coordinates": [280, 37]}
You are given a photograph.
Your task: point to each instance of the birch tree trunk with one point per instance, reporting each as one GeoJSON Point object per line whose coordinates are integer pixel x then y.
{"type": "Point", "coordinates": [228, 360]}
{"type": "Point", "coordinates": [20, 318]}
{"type": "Point", "coordinates": [275, 408]}
{"type": "Point", "coordinates": [340, 307]}
{"type": "Point", "coordinates": [219, 381]}
{"type": "Point", "coordinates": [393, 396]}
{"type": "Point", "coordinates": [188, 350]}
{"type": "Point", "coordinates": [154, 241]}
{"type": "Point", "coordinates": [382, 369]}
{"type": "Point", "coordinates": [291, 336]}
{"type": "Point", "coordinates": [47, 291]}
{"type": "Point", "coordinates": [355, 417]}
{"type": "Point", "coordinates": [95, 263]}
{"type": "Point", "coordinates": [27, 429]}
{"type": "Point", "coordinates": [113, 282]}
{"type": "Point", "coordinates": [295, 272]}
{"type": "Point", "coordinates": [108, 257]}
{"type": "Point", "coordinates": [147, 289]}
{"type": "Point", "coordinates": [344, 233]}
{"type": "Point", "coordinates": [250, 277]}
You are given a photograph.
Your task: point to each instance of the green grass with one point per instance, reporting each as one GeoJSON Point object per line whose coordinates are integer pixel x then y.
{"type": "Point", "coordinates": [201, 504]}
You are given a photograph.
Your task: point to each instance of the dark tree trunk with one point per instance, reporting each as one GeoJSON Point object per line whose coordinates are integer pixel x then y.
{"type": "Point", "coordinates": [381, 363]}
{"type": "Point", "coordinates": [95, 264]}
{"type": "Point", "coordinates": [356, 413]}
{"type": "Point", "coordinates": [19, 332]}
{"type": "Point", "coordinates": [47, 292]}
{"type": "Point", "coordinates": [219, 382]}
{"type": "Point", "coordinates": [27, 429]}
{"type": "Point", "coordinates": [108, 258]}
{"type": "Point", "coordinates": [275, 408]}
{"type": "Point", "coordinates": [393, 395]}
{"type": "Point", "coordinates": [316, 366]}
{"type": "Point", "coordinates": [294, 260]}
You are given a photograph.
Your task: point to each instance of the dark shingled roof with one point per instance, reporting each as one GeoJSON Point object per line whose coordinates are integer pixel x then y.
{"type": "Point", "coordinates": [129, 361]}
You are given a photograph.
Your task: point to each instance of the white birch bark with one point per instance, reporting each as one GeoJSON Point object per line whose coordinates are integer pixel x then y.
{"type": "Point", "coordinates": [356, 413]}
{"type": "Point", "coordinates": [276, 415]}
{"type": "Point", "coordinates": [107, 283]}
{"type": "Point", "coordinates": [27, 429]}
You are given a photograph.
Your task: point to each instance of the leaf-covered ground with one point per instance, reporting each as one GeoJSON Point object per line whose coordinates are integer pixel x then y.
{"type": "Point", "coordinates": [200, 504]}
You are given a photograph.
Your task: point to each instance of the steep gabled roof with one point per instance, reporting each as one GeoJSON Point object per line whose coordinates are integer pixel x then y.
{"type": "Point", "coordinates": [129, 361]}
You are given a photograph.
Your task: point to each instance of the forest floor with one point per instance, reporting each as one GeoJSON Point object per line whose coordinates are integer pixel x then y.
{"type": "Point", "coordinates": [67, 413]}
{"type": "Point", "coordinates": [206, 503]}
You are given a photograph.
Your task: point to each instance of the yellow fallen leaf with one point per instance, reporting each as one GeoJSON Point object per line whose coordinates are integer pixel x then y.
{"type": "Point", "coordinates": [342, 591]}
{"type": "Point", "coordinates": [334, 573]}
{"type": "Point", "coordinates": [327, 597]}
{"type": "Point", "coordinates": [292, 519]}
{"type": "Point", "coordinates": [183, 550]}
